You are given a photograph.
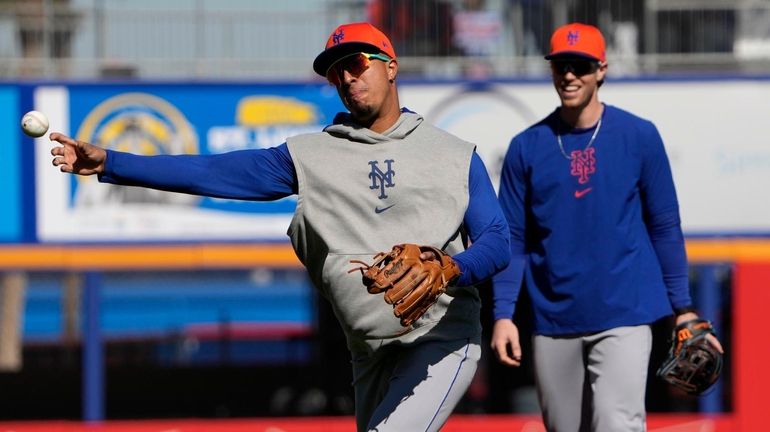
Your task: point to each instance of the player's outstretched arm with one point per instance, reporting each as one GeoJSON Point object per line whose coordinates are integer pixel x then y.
{"type": "Point", "coordinates": [505, 342]}
{"type": "Point", "coordinates": [77, 157]}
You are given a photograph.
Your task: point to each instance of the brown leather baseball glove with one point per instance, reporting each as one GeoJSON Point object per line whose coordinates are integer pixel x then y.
{"type": "Point", "coordinates": [411, 284]}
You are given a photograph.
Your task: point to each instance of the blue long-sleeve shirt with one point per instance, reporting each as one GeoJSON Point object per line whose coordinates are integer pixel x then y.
{"type": "Point", "coordinates": [596, 240]}
{"type": "Point", "coordinates": [269, 174]}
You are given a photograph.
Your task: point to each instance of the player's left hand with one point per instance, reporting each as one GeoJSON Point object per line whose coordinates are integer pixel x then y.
{"type": "Point", "coordinates": [505, 342]}
{"type": "Point", "coordinates": [689, 316]}
{"type": "Point", "coordinates": [411, 276]}
{"type": "Point", "coordinates": [694, 361]}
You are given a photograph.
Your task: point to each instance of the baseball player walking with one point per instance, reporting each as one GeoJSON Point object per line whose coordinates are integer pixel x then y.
{"type": "Point", "coordinates": [596, 238]}
{"type": "Point", "coordinates": [378, 176]}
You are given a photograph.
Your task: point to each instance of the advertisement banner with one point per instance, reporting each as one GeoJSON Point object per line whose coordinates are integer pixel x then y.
{"type": "Point", "coordinates": [719, 161]}
{"type": "Point", "coordinates": [169, 119]}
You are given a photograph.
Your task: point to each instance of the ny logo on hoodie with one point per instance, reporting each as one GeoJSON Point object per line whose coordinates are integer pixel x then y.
{"type": "Point", "coordinates": [380, 179]}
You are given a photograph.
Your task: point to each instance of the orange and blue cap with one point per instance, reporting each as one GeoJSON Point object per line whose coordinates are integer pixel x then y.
{"type": "Point", "coordinates": [352, 38]}
{"type": "Point", "coordinates": [578, 39]}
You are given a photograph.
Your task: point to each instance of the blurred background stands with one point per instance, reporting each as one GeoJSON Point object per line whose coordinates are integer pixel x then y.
{"type": "Point", "coordinates": [241, 39]}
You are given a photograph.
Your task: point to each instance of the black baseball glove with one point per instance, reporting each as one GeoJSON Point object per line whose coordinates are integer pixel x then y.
{"type": "Point", "coordinates": [693, 364]}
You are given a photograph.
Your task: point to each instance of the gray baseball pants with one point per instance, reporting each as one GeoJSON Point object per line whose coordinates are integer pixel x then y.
{"type": "Point", "coordinates": [412, 388]}
{"type": "Point", "coordinates": [593, 382]}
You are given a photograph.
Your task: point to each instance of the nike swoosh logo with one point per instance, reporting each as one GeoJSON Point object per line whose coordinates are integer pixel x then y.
{"type": "Point", "coordinates": [380, 210]}
{"type": "Point", "coordinates": [580, 193]}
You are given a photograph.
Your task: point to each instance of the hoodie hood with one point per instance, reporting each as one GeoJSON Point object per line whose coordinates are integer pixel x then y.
{"type": "Point", "coordinates": [344, 127]}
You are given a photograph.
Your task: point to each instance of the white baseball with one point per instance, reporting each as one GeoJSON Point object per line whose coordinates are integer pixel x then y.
{"type": "Point", "coordinates": [34, 124]}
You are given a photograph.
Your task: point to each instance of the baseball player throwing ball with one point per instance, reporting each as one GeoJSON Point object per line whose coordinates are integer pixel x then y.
{"type": "Point", "coordinates": [597, 241]}
{"type": "Point", "coordinates": [380, 191]}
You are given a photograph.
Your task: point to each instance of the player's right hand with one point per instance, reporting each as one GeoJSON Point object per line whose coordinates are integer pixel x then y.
{"type": "Point", "coordinates": [77, 157]}
{"type": "Point", "coordinates": [505, 342]}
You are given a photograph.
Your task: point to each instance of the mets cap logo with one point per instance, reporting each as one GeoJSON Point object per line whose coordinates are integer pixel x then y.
{"type": "Point", "coordinates": [572, 37]}
{"type": "Point", "coordinates": [338, 37]}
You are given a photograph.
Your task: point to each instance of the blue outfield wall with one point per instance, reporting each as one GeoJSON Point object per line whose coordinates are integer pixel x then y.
{"type": "Point", "coordinates": [11, 175]}
{"type": "Point", "coordinates": [172, 304]}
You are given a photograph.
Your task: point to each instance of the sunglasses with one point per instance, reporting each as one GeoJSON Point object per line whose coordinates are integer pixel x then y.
{"type": "Point", "coordinates": [577, 67]}
{"type": "Point", "coordinates": [355, 64]}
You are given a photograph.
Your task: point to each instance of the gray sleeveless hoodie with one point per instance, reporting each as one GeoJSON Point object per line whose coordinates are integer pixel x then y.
{"type": "Point", "coordinates": [361, 192]}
